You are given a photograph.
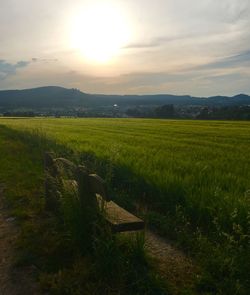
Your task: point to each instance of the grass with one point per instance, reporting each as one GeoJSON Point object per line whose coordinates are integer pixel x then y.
{"type": "Point", "coordinates": [190, 179]}
{"type": "Point", "coordinates": [109, 265]}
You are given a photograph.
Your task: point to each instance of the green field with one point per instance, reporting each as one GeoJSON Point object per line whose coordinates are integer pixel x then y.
{"type": "Point", "coordinates": [189, 179]}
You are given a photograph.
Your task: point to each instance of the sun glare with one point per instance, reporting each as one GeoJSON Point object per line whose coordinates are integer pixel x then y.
{"type": "Point", "coordinates": [99, 32]}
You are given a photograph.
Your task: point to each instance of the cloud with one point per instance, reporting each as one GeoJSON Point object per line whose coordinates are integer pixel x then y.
{"type": "Point", "coordinates": [8, 69]}
{"type": "Point", "coordinates": [140, 45]}
{"type": "Point", "coordinates": [158, 41]}
{"type": "Point", "coordinates": [45, 60]}
{"type": "Point", "coordinates": [241, 59]}
{"type": "Point", "coordinates": [205, 25]}
{"type": "Point", "coordinates": [197, 83]}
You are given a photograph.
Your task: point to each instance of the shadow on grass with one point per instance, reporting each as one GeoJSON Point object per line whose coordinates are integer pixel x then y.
{"type": "Point", "coordinates": [109, 265]}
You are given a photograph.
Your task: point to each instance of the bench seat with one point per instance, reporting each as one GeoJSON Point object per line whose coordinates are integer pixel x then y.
{"type": "Point", "coordinates": [119, 219]}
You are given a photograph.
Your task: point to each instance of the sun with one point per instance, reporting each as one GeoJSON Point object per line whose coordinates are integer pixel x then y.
{"type": "Point", "coordinates": [99, 32]}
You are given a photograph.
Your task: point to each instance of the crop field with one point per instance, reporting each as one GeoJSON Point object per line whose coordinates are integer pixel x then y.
{"type": "Point", "coordinates": [190, 179]}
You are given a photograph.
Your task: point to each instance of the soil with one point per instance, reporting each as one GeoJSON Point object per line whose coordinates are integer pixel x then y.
{"type": "Point", "coordinates": [173, 265]}
{"type": "Point", "coordinates": [13, 280]}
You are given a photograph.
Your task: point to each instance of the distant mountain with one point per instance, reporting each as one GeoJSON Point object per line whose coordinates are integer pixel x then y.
{"type": "Point", "coordinates": [59, 97]}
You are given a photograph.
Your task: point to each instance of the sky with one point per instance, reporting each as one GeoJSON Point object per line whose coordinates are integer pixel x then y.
{"type": "Point", "coordinates": [195, 47]}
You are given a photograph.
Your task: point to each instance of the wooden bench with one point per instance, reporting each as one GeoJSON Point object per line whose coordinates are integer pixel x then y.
{"type": "Point", "coordinates": [118, 218]}
{"type": "Point", "coordinates": [92, 192]}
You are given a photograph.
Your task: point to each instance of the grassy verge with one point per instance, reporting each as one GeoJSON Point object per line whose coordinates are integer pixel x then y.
{"type": "Point", "coordinates": [108, 265]}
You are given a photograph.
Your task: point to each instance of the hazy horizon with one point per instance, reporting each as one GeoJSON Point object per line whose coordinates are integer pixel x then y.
{"type": "Point", "coordinates": [122, 94]}
{"type": "Point", "coordinates": [198, 48]}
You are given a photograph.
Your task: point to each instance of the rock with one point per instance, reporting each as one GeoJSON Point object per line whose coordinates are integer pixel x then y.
{"type": "Point", "coordinates": [10, 219]}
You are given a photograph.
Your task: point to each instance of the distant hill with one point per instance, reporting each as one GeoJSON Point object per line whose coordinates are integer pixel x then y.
{"type": "Point", "coordinates": [59, 97]}
{"type": "Point", "coordinates": [43, 97]}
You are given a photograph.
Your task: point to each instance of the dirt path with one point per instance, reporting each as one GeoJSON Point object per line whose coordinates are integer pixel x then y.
{"type": "Point", "coordinates": [13, 281]}
{"type": "Point", "coordinates": [173, 265]}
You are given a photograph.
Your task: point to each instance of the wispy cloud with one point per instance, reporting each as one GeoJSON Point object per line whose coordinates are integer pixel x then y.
{"type": "Point", "coordinates": [44, 60]}
{"type": "Point", "coordinates": [241, 59]}
{"type": "Point", "coordinates": [158, 41]}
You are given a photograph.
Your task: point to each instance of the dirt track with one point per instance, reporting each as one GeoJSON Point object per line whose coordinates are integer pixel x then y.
{"type": "Point", "coordinates": [13, 281]}
{"type": "Point", "coordinates": [173, 265]}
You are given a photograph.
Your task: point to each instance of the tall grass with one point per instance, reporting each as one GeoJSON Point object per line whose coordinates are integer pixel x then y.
{"type": "Point", "coordinates": [192, 177]}
{"type": "Point", "coordinates": [68, 257]}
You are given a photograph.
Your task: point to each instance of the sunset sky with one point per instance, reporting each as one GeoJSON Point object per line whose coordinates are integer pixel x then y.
{"type": "Point", "coordinates": [196, 47]}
